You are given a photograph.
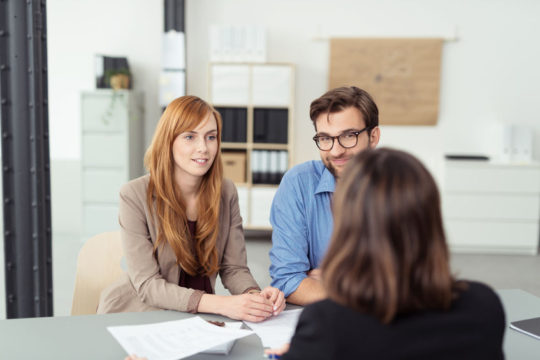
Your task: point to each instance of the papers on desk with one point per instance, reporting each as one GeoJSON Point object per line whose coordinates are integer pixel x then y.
{"type": "Point", "coordinates": [178, 339]}
{"type": "Point", "coordinates": [276, 331]}
{"type": "Point", "coordinates": [225, 348]}
{"type": "Point", "coordinates": [529, 326]}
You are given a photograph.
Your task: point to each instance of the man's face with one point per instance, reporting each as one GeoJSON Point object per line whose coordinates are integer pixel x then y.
{"type": "Point", "coordinates": [334, 124]}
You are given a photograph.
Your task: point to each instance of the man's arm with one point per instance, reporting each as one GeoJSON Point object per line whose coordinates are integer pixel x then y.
{"type": "Point", "coordinates": [309, 291]}
{"type": "Point", "coordinates": [289, 262]}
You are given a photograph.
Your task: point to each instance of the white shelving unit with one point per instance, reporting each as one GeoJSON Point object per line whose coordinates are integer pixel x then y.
{"type": "Point", "coordinates": [255, 91]}
{"type": "Point", "coordinates": [111, 155]}
{"type": "Point", "coordinates": [492, 208]}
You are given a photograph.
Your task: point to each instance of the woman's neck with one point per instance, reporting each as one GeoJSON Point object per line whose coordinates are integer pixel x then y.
{"type": "Point", "coordinates": [188, 185]}
{"type": "Point", "coordinates": [189, 188]}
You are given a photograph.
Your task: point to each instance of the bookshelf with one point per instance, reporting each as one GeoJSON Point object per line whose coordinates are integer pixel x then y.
{"type": "Point", "coordinates": [255, 101]}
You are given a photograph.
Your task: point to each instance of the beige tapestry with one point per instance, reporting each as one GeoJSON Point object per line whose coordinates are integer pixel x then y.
{"type": "Point", "coordinates": [402, 75]}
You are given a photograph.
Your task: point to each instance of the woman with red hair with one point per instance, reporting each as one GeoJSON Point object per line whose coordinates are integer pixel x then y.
{"type": "Point", "coordinates": [181, 226]}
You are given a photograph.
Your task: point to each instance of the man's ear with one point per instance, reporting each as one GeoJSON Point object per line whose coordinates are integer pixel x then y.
{"type": "Point", "coordinates": [374, 137]}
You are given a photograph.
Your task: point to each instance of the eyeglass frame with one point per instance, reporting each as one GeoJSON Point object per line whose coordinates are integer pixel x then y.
{"type": "Point", "coordinates": [356, 133]}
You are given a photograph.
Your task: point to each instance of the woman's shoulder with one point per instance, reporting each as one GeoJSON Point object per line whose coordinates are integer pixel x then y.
{"type": "Point", "coordinates": [327, 308]}
{"type": "Point", "coordinates": [480, 299]}
{"type": "Point", "coordinates": [136, 186]}
{"type": "Point", "coordinates": [228, 189]}
{"type": "Point", "coordinates": [477, 290]}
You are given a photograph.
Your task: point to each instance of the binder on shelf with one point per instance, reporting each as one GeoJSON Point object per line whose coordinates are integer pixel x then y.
{"type": "Point", "coordinates": [274, 167]}
{"type": "Point", "coordinates": [283, 164]}
{"type": "Point", "coordinates": [265, 167]}
{"type": "Point", "coordinates": [270, 125]}
{"type": "Point", "coordinates": [234, 124]}
{"type": "Point", "coordinates": [255, 167]}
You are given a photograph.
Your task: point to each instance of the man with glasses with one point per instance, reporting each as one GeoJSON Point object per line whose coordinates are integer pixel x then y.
{"type": "Point", "coordinates": [346, 121]}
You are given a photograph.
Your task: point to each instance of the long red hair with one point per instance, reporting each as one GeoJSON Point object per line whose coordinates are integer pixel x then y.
{"type": "Point", "coordinates": [164, 198]}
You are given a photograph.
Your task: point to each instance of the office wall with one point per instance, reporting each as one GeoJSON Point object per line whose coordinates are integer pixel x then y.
{"type": "Point", "coordinates": [77, 30]}
{"type": "Point", "coordinates": [489, 76]}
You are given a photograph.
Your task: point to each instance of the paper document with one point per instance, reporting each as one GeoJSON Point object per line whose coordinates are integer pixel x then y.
{"type": "Point", "coordinates": [225, 348]}
{"type": "Point", "coordinates": [173, 340]}
{"type": "Point", "coordinates": [276, 331]}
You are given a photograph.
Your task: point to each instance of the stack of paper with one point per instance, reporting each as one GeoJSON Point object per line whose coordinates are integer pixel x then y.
{"type": "Point", "coordinates": [225, 348]}
{"type": "Point", "coordinates": [173, 340]}
{"type": "Point", "coordinates": [276, 331]}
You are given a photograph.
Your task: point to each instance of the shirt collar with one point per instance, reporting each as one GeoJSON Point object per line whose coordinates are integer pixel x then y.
{"type": "Point", "coordinates": [327, 183]}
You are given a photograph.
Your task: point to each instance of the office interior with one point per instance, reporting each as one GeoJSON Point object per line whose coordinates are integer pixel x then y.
{"type": "Point", "coordinates": [489, 79]}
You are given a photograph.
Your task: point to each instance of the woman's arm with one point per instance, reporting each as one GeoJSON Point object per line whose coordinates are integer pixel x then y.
{"type": "Point", "coordinates": [249, 307]}
{"type": "Point", "coordinates": [145, 273]}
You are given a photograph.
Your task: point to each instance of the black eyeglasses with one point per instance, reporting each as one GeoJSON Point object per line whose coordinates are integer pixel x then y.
{"type": "Point", "coordinates": [346, 140]}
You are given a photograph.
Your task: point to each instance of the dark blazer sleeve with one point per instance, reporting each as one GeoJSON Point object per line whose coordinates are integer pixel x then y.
{"type": "Point", "coordinates": [313, 337]}
{"type": "Point", "coordinates": [233, 271]}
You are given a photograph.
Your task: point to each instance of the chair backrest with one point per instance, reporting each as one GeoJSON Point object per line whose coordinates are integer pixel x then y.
{"type": "Point", "coordinates": [98, 265]}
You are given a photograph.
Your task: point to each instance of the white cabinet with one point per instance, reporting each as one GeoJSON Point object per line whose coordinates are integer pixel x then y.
{"type": "Point", "coordinates": [112, 153]}
{"type": "Point", "coordinates": [492, 208]}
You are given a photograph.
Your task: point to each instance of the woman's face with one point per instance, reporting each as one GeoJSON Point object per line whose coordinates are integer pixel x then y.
{"type": "Point", "coordinates": [194, 151]}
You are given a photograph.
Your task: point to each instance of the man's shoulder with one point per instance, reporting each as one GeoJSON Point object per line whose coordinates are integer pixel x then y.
{"type": "Point", "coordinates": [305, 171]}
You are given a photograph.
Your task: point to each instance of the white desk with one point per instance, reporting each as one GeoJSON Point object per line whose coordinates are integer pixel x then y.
{"type": "Point", "coordinates": [519, 305]}
{"type": "Point", "coordinates": [86, 337]}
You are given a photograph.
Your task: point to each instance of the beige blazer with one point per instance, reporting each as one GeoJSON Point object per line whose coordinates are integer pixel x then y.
{"type": "Point", "coordinates": [151, 282]}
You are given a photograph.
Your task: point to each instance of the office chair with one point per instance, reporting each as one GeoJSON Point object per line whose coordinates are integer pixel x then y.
{"type": "Point", "coordinates": [98, 265]}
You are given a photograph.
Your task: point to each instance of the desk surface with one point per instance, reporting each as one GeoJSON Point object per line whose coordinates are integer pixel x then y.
{"type": "Point", "coordinates": [519, 305]}
{"type": "Point", "coordinates": [86, 337]}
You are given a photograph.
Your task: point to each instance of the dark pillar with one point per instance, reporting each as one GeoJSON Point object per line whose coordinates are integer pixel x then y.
{"type": "Point", "coordinates": [25, 158]}
{"type": "Point", "coordinates": [174, 15]}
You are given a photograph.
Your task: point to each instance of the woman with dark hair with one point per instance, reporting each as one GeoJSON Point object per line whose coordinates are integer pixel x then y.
{"type": "Point", "coordinates": [181, 226]}
{"type": "Point", "coordinates": [387, 275]}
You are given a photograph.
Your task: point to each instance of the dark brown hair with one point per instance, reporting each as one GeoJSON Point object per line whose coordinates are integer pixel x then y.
{"type": "Point", "coordinates": [184, 114]}
{"type": "Point", "coordinates": [341, 98]}
{"type": "Point", "coordinates": [388, 253]}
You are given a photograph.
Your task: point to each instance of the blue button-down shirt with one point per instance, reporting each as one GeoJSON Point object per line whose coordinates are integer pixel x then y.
{"type": "Point", "coordinates": [301, 219]}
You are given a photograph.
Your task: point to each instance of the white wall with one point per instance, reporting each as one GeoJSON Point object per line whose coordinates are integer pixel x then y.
{"type": "Point", "coordinates": [77, 30]}
{"type": "Point", "coordinates": [489, 75]}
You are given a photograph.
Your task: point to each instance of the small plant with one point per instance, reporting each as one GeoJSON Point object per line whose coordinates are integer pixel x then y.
{"type": "Point", "coordinates": [118, 78]}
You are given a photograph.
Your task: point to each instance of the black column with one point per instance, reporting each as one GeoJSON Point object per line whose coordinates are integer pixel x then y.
{"type": "Point", "coordinates": [174, 15]}
{"type": "Point", "coordinates": [25, 158]}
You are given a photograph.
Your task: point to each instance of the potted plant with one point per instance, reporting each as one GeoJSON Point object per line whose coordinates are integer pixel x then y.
{"type": "Point", "coordinates": [118, 78]}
